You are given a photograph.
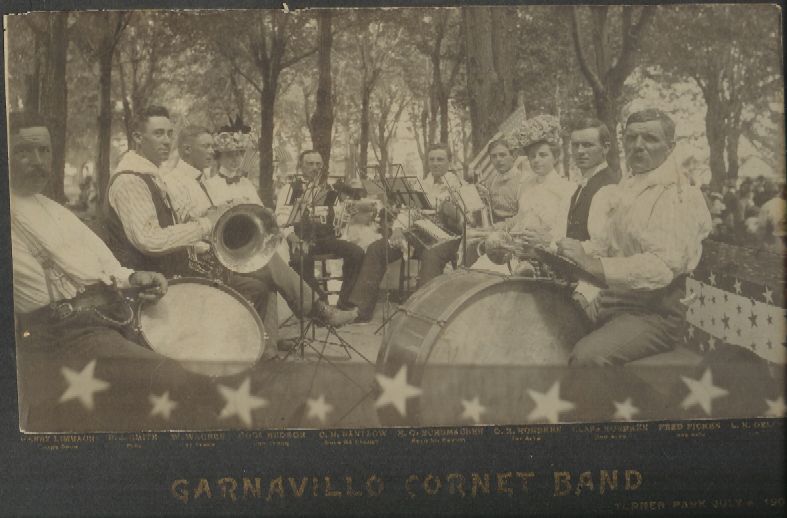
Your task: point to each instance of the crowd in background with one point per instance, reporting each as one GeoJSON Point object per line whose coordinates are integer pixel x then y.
{"type": "Point", "coordinates": [748, 212]}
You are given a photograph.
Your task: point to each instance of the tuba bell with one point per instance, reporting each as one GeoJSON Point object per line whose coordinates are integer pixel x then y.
{"type": "Point", "coordinates": [245, 238]}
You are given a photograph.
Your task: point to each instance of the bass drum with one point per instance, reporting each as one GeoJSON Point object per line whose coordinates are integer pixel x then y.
{"type": "Point", "coordinates": [468, 330]}
{"type": "Point", "coordinates": [208, 327]}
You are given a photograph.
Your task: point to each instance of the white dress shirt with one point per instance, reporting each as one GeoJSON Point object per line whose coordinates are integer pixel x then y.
{"type": "Point", "coordinates": [188, 196]}
{"type": "Point", "coordinates": [648, 229]}
{"type": "Point", "coordinates": [241, 191]}
{"type": "Point", "coordinates": [131, 199]}
{"type": "Point", "coordinates": [55, 255]}
{"type": "Point", "coordinates": [438, 192]}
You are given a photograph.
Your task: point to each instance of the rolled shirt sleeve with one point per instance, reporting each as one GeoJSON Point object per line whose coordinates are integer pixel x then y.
{"type": "Point", "coordinates": [132, 201]}
{"type": "Point", "coordinates": [670, 244]}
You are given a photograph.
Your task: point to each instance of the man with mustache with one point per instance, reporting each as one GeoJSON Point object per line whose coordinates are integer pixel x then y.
{"type": "Point", "coordinates": [645, 234]}
{"type": "Point", "coordinates": [64, 277]}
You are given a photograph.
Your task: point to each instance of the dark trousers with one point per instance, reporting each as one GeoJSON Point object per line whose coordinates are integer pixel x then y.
{"type": "Point", "coordinates": [367, 287]}
{"type": "Point", "coordinates": [630, 326]}
{"type": "Point", "coordinates": [352, 258]}
{"type": "Point", "coordinates": [434, 260]}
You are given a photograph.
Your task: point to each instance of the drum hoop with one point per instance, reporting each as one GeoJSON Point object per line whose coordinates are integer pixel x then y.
{"type": "Point", "coordinates": [436, 328]}
{"type": "Point", "coordinates": [417, 362]}
{"type": "Point", "coordinates": [214, 284]}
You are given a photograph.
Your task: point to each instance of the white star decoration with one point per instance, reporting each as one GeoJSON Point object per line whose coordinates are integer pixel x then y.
{"type": "Point", "coordinates": [82, 385]}
{"type": "Point", "coordinates": [396, 390]}
{"type": "Point", "coordinates": [162, 405]}
{"type": "Point", "coordinates": [472, 409]}
{"type": "Point", "coordinates": [625, 410]}
{"type": "Point", "coordinates": [549, 405]}
{"type": "Point", "coordinates": [776, 408]}
{"type": "Point", "coordinates": [712, 279]}
{"type": "Point", "coordinates": [240, 402]}
{"type": "Point", "coordinates": [702, 392]}
{"type": "Point", "coordinates": [768, 295]}
{"type": "Point", "coordinates": [737, 286]}
{"type": "Point", "coordinates": [318, 408]}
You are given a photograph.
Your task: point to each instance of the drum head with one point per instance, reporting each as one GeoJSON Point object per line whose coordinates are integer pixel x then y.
{"type": "Point", "coordinates": [207, 327]}
{"type": "Point", "coordinates": [471, 329]}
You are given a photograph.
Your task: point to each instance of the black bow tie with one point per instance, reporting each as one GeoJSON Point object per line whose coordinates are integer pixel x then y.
{"type": "Point", "coordinates": [231, 179]}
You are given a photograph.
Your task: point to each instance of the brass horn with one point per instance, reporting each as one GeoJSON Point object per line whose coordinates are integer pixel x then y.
{"type": "Point", "coordinates": [245, 238]}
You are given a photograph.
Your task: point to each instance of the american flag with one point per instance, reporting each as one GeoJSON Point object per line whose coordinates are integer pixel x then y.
{"type": "Point", "coordinates": [481, 164]}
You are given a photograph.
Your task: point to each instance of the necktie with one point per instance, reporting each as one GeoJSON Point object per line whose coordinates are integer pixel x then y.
{"type": "Point", "coordinates": [231, 179]}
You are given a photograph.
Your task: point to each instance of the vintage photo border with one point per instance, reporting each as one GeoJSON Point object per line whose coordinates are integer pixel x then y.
{"type": "Point", "coordinates": [732, 466]}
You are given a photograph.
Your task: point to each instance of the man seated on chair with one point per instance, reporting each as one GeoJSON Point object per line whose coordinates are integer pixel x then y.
{"type": "Point", "coordinates": [143, 221]}
{"type": "Point", "coordinates": [309, 238]}
{"type": "Point", "coordinates": [645, 234]}
{"type": "Point", "coordinates": [64, 277]}
{"type": "Point", "coordinates": [433, 260]}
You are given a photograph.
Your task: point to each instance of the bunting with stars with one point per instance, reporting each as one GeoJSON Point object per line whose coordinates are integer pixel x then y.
{"type": "Point", "coordinates": [728, 311]}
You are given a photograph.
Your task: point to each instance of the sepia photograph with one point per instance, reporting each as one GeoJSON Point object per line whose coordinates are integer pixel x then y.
{"type": "Point", "coordinates": [354, 222]}
{"type": "Point", "coordinates": [402, 205]}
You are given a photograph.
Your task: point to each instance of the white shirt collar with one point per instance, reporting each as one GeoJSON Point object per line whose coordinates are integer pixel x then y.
{"type": "Point", "coordinates": [188, 169]}
{"type": "Point", "coordinates": [133, 161]}
{"type": "Point", "coordinates": [600, 167]}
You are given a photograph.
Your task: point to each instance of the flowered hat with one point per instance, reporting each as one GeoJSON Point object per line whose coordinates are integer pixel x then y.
{"type": "Point", "coordinates": [541, 128]}
{"type": "Point", "coordinates": [234, 137]}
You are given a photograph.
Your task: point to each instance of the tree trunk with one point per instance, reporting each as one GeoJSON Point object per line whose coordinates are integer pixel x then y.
{"type": "Point", "coordinates": [106, 50]}
{"type": "Point", "coordinates": [714, 132]}
{"type": "Point", "coordinates": [607, 112]}
{"type": "Point", "coordinates": [321, 126]}
{"type": "Point", "coordinates": [33, 90]}
{"type": "Point", "coordinates": [128, 115]}
{"type": "Point", "coordinates": [267, 102]}
{"type": "Point", "coordinates": [444, 118]}
{"type": "Point", "coordinates": [54, 100]}
{"type": "Point", "coordinates": [363, 141]}
{"type": "Point", "coordinates": [733, 138]}
{"type": "Point", "coordinates": [382, 138]}
{"type": "Point", "coordinates": [489, 60]}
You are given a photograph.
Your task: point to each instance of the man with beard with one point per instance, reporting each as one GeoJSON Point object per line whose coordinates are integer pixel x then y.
{"type": "Point", "coordinates": [645, 234]}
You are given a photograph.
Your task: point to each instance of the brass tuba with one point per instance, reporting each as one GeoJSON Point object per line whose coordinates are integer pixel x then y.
{"type": "Point", "coordinates": [245, 237]}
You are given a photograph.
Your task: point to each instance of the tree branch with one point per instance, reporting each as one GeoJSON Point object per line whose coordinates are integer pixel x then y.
{"type": "Point", "coordinates": [628, 53]}
{"type": "Point", "coordinates": [245, 76]}
{"type": "Point", "coordinates": [298, 57]}
{"type": "Point", "coordinates": [592, 77]}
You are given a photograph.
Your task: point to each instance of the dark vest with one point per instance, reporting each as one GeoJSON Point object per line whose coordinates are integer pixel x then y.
{"type": "Point", "coordinates": [127, 254]}
{"type": "Point", "coordinates": [580, 204]}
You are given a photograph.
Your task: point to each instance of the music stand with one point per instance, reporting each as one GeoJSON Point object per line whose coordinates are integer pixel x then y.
{"type": "Point", "coordinates": [329, 198]}
{"type": "Point", "coordinates": [404, 191]}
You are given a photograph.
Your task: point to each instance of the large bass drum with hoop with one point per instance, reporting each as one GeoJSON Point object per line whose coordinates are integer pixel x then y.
{"type": "Point", "coordinates": [476, 326]}
{"type": "Point", "coordinates": [208, 327]}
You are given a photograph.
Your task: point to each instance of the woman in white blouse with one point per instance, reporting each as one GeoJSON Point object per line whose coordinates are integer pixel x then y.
{"type": "Point", "coordinates": [543, 203]}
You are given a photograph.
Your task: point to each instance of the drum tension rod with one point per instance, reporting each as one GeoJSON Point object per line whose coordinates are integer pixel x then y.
{"type": "Point", "coordinates": [441, 323]}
